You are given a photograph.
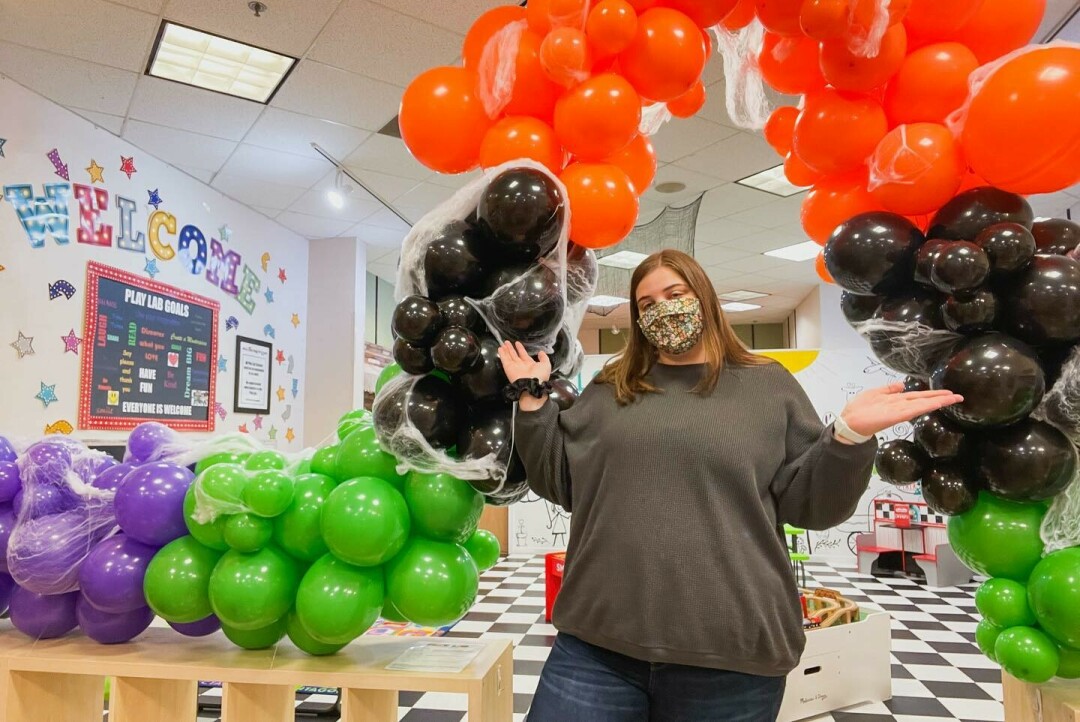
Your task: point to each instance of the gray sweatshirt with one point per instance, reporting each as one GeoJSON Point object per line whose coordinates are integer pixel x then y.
{"type": "Point", "coordinates": [676, 551]}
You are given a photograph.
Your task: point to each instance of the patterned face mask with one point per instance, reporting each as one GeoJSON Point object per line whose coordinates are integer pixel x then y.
{"type": "Point", "coordinates": [674, 326]}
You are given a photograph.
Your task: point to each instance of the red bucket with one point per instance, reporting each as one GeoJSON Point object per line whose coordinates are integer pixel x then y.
{"type": "Point", "coordinates": [553, 574]}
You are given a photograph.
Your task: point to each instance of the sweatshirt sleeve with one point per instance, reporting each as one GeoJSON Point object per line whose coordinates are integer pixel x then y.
{"type": "Point", "coordinates": [538, 439]}
{"type": "Point", "coordinates": [822, 479]}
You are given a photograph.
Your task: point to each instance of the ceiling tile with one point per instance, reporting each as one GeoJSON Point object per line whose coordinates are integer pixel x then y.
{"type": "Point", "coordinates": [147, 6]}
{"type": "Point", "coordinates": [710, 256]}
{"type": "Point", "coordinates": [286, 27]}
{"type": "Point", "coordinates": [648, 209]}
{"type": "Point", "coordinates": [377, 254]}
{"type": "Point", "coordinates": [779, 212]}
{"type": "Point", "coordinates": [111, 123]}
{"type": "Point", "coordinates": [733, 158]}
{"type": "Point", "coordinates": [385, 186]}
{"type": "Point", "coordinates": [251, 161]}
{"type": "Point", "coordinates": [324, 92]}
{"type": "Point", "coordinates": [802, 271]}
{"type": "Point", "coordinates": [201, 111]}
{"type": "Point", "coordinates": [387, 155]}
{"type": "Point", "coordinates": [294, 133]}
{"type": "Point", "coordinates": [793, 289]}
{"type": "Point", "coordinates": [458, 17]}
{"type": "Point", "coordinates": [384, 271]}
{"type": "Point", "coordinates": [422, 199]}
{"type": "Point", "coordinates": [376, 236]}
{"type": "Point", "coordinates": [385, 218]}
{"type": "Point", "coordinates": [358, 205]}
{"type": "Point", "coordinates": [204, 175]}
{"type": "Point", "coordinates": [730, 198]}
{"type": "Point", "coordinates": [268, 212]}
{"type": "Point", "coordinates": [696, 184]}
{"type": "Point", "coordinates": [680, 137]}
{"type": "Point", "coordinates": [94, 30]}
{"type": "Point", "coordinates": [313, 226]}
{"type": "Point", "coordinates": [715, 108]}
{"type": "Point", "coordinates": [179, 147]}
{"type": "Point", "coordinates": [458, 180]}
{"type": "Point", "coordinates": [757, 263]}
{"type": "Point", "coordinates": [375, 41]}
{"type": "Point", "coordinates": [764, 241]}
{"type": "Point", "coordinates": [253, 191]}
{"type": "Point", "coordinates": [69, 81]}
{"type": "Point", "coordinates": [722, 230]}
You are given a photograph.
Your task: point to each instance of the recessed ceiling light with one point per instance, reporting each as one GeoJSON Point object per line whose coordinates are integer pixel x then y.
{"type": "Point", "coordinates": [670, 187]}
{"type": "Point", "coordinates": [805, 251]}
{"type": "Point", "coordinates": [741, 295]}
{"type": "Point", "coordinates": [736, 307]}
{"type": "Point", "coordinates": [771, 180]}
{"type": "Point", "coordinates": [607, 302]}
{"type": "Point", "coordinates": [193, 57]}
{"type": "Point", "coordinates": [628, 260]}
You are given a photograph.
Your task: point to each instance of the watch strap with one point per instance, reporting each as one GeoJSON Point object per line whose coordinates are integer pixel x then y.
{"type": "Point", "coordinates": [843, 431]}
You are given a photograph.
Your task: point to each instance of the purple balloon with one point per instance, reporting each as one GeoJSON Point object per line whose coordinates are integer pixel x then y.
{"type": "Point", "coordinates": [38, 500]}
{"type": "Point", "coordinates": [110, 478]}
{"type": "Point", "coordinates": [200, 628]}
{"type": "Point", "coordinates": [10, 483]}
{"type": "Point", "coordinates": [7, 525]}
{"type": "Point", "coordinates": [150, 503]}
{"type": "Point", "coordinates": [43, 616]}
{"type": "Point", "coordinates": [49, 454]}
{"type": "Point", "coordinates": [106, 628]}
{"type": "Point", "coordinates": [44, 555]}
{"type": "Point", "coordinates": [7, 451]}
{"type": "Point", "coordinates": [148, 442]}
{"type": "Point", "coordinates": [7, 586]}
{"type": "Point", "coordinates": [112, 576]}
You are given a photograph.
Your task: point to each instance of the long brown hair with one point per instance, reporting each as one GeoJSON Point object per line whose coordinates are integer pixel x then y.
{"type": "Point", "coordinates": [627, 372]}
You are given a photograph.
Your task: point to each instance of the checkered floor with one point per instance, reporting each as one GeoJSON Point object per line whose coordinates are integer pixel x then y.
{"type": "Point", "coordinates": [939, 675]}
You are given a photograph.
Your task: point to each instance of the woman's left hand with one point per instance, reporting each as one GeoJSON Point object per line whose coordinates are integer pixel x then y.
{"type": "Point", "coordinates": [882, 408]}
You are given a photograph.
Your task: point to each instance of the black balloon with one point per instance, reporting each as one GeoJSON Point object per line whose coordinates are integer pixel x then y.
{"type": "Point", "coordinates": [1043, 305]}
{"type": "Point", "coordinates": [502, 276]}
{"type": "Point", "coordinates": [1056, 235]}
{"type": "Point", "coordinates": [563, 393]}
{"type": "Point", "coordinates": [582, 272]}
{"type": "Point", "coordinates": [511, 493]}
{"type": "Point", "coordinates": [900, 462]}
{"type": "Point", "coordinates": [948, 489]}
{"type": "Point", "coordinates": [485, 381]}
{"type": "Point", "coordinates": [456, 349]}
{"type": "Point", "coordinates": [1029, 461]}
{"type": "Point", "coordinates": [1009, 246]}
{"type": "Point", "coordinates": [999, 377]}
{"type": "Point", "coordinates": [522, 213]}
{"type": "Point", "coordinates": [416, 319]}
{"type": "Point", "coordinates": [960, 267]}
{"type": "Point", "coordinates": [968, 214]}
{"type": "Point", "coordinates": [925, 257]}
{"type": "Point", "coordinates": [452, 261]}
{"type": "Point", "coordinates": [916, 383]}
{"type": "Point", "coordinates": [970, 314]}
{"type": "Point", "coordinates": [488, 429]}
{"type": "Point", "coordinates": [530, 308]}
{"type": "Point", "coordinates": [415, 360]}
{"type": "Point", "coordinates": [939, 437]}
{"type": "Point", "coordinates": [873, 253]}
{"type": "Point", "coordinates": [564, 346]}
{"type": "Point", "coordinates": [856, 308]}
{"type": "Point", "coordinates": [900, 347]}
{"type": "Point", "coordinates": [456, 311]}
{"type": "Point", "coordinates": [430, 405]}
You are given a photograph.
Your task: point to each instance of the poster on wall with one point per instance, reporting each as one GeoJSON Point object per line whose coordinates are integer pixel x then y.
{"type": "Point", "coordinates": [150, 355]}
{"type": "Point", "coordinates": [253, 367]}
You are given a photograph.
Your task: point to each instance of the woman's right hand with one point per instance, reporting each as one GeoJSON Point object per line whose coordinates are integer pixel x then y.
{"type": "Point", "coordinates": [517, 365]}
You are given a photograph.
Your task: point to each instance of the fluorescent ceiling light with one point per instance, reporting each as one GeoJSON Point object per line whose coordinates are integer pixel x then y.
{"type": "Point", "coordinates": [607, 302]}
{"type": "Point", "coordinates": [736, 307]}
{"type": "Point", "coordinates": [771, 180]}
{"type": "Point", "coordinates": [805, 251]}
{"type": "Point", "coordinates": [741, 295]}
{"type": "Point", "coordinates": [628, 260]}
{"type": "Point", "coordinates": [192, 57]}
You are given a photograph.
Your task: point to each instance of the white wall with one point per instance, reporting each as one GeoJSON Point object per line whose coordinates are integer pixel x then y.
{"type": "Point", "coordinates": [805, 331]}
{"type": "Point", "coordinates": [32, 127]}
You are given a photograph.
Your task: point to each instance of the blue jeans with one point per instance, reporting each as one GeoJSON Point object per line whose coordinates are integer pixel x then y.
{"type": "Point", "coordinates": [584, 683]}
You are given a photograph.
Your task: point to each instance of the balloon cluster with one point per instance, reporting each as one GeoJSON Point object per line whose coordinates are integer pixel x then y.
{"type": "Point", "coordinates": [987, 305]}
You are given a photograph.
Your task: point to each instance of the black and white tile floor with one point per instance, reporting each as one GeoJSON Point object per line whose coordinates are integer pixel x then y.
{"type": "Point", "coordinates": [938, 673]}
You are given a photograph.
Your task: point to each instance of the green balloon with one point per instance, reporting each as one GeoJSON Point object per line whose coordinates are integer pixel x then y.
{"type": "Point", "coordinates": [222, 485]}
{"type": "Point", "coordinates": [360, 455]}
{"type": "Point", "coordinates": [365, 522]}
{"type": "Point", "coordinates": [247, 532]}
{"type": "Point", "coordinates": [261, 638]}
{"type": "Point", "coordinates": [1069, 664]}
{"type": "Point", "coordinates": [1027, 654]}
{"type": "Point", "coordinates": [177, 581]}
{"type": "Point", "coordinates": [484, 548]}
{"type": "Point", "coordinates": [268, 493]}
{"type": "Point", "coordinates": [986, 635]}
{"type": "Point", "coordinates": [211, 535]}
{"type": "Point", "coordinates": [998, 538]}
{"type": "Point", "coordinates": [386, 375]}
{"type": "Point", "coordinates": [338, 602]}
{"type": "Point", "coordinates": [432, 583]}
{"type": "Point", "coordinates": [390, 613]}
{"type": "Point", "coordinates": [297, 530]}
{"type": "Point", "coordinates": [268, 459]}
{"type": "Point", "coordinates": [351, 421]}
{"type": "Point", "coordinates": [1004, 603]}
{"type": "Point", "coordinates": [1054, 594]}
{"type": "Point", "coordinates": [325, 461]}
{"type": "Point", "coordinates": [305, 642]}
{"type": "Point", "coordinates": [304, 467]}
{"type": "Point", "coordinates": [249, 591]}
{"type": "Point", "coordinates": [223, 457]}
{"type": "Point", "coordinates": [443, 508]}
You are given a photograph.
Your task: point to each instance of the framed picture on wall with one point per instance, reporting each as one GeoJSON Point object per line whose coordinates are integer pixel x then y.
{"type": "Point", "coordinates": [254, 364]}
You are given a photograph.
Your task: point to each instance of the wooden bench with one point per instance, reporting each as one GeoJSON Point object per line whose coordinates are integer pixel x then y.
{"type": "Point", "coordinates": [155, 679]}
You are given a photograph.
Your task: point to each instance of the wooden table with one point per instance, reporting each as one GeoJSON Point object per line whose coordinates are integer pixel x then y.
{"type": "Point", "coordinates": [1056, 701]}
{"type": "Point", "coordinates": [155, 679]}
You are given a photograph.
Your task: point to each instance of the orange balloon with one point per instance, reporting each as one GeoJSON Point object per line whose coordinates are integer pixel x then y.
{"type": "Point", "coordinates": [742, 15]}
{"type": "Point", "coordinates": [928, 21]}
{"type": "Point", "coordinates": [442, 120]}
{"type": "Point", "coordinates": [689, 103]}
{"type": "Point", "coordinates": [1021, 133]}
{"type": "Point", "coordinates": [704, 13]}
{"type": "Point", "coordinates": [836, 133]}
{"type": "Point", "coordinates": [822, 271]}
{"type": "Point", "coordinates": [847, 71]}
{"type": "Point", "coordinates": [641, 6]}
{"type": "Point", "coordinates": [780, 127]}
{"type": "Point", "coordinates": [603, 205]}
{"type": "Point", "coordinates": [790, 64]}
{"type": "Point", "coordinates": [971, 180]}
{"type": "Point", "coordinates": [598, 117]}
{"type": "Point", "coordinates": [831, 202]}
{"type": "Point", "coordinates": [568, 13]}
{"type": "Point", "coordinates": [483, 28]}
{"type": "Point", "coordinates": [666, 56]}
{"type": "Point", "coordinates": [565, 56]}
{"type": "Point", "coordinates": [638, 160]}
{"type": "Point", "coordinates": [780, 16]}
{"type": "Point", "coordinates": [864, 12]}
{"type": "Point", "coordinates": [931, 83]}
{"type": "Point", "coordinates": [824, 19]}
{"type": "Point", "coordinates": [533, 94]}
{"type": "Point", "coordinates": [611, 26]}
{"type": "Point", "coordinates": [519, 136]}
{"type": "Point", "coordinates": [538, 12]}
{"type": "Point", "coordinates": [916, 169]}
{"type": "Point", "coordinates": [798, 173]}
{"type": "Point", "coordinates": [1001, 26]}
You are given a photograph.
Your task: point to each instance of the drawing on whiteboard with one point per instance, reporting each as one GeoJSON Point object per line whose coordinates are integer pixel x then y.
{"type": "Point", "coordinates": [557, 524]}
{"type": "Point", "coordinates": [522, 535]}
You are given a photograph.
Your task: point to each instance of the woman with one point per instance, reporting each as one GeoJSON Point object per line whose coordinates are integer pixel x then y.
{"type": "Point", "coordinates": [680, 464]}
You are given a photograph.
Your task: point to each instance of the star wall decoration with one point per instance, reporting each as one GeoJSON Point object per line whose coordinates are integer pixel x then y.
{"type": "Point", "coordinates": [24, 346]}
{"type": "Point", "coordinates": [295, 387]}
{"type": "Point", "coordinates": [155, 198]}
{"type": "Point", "coordinates": [295, 320]}
{"type": "Point", "coordinates": [280, 393]}
{"type": "Point", "coordinates": [222, 364]}
{"type": "Point", "coordinates": [289, 435]}
{"type": "Point", "coordinates": [269, 295]}
{"type": "Point", "coordinates": [272, 433]}
{"type": "Point", "coordinates": [71, 342]}
{"type": "Point", "coordinates": [281, 275]}
{"type": "Point", "coordinates": [257, 422]}
{"type": "Point", "coordinates": [47, 395]}
{"type": "Point", "coordinates": [280, 357]}
{"type": "Point", "coordinates": [291, 364]}
{"type": "Point", "coordinates": [225, 233]}
{"type": "Point", "coordinates": [127, 166]}
{"type": "Point", "coordinates": [287, 413]}
{"type": "Point", "coordinates": [242, 428]}
{"type": "Point", "coordinates": [268, 330]}
{"type": "Point", "coordinates": [97, 172]}
{"type": "Point", "coordinates": [151, 268]}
